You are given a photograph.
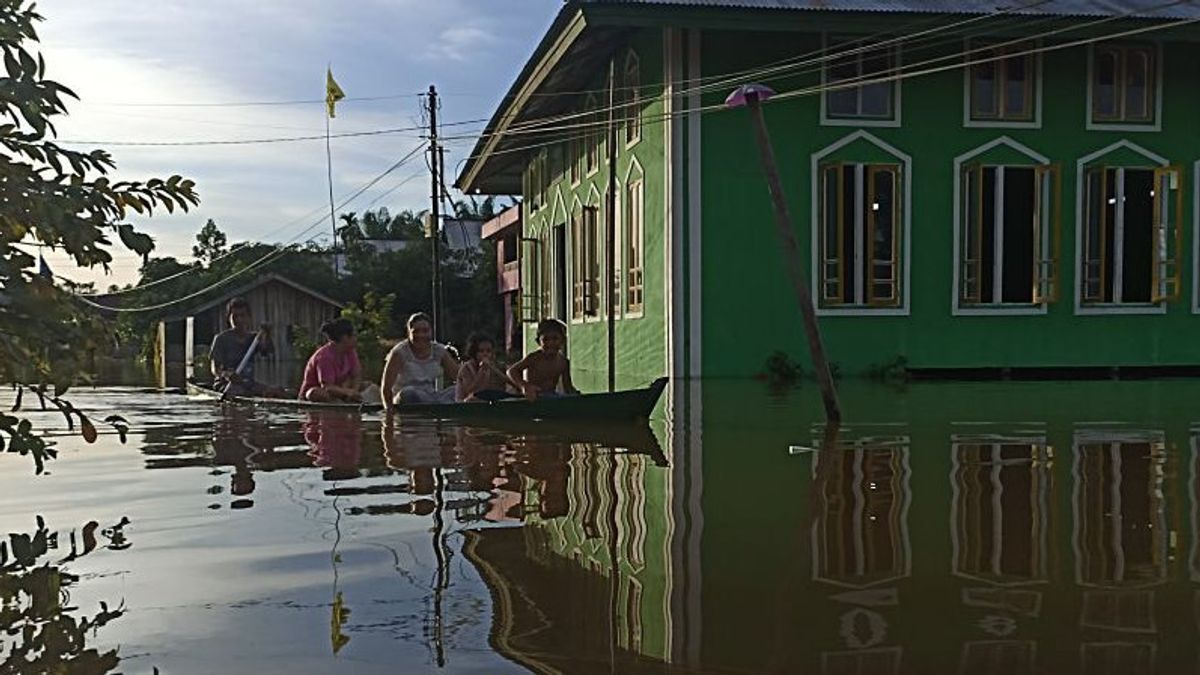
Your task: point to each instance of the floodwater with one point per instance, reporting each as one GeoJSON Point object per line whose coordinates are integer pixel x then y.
{"type": "Point", "coordinates": [948, 528]}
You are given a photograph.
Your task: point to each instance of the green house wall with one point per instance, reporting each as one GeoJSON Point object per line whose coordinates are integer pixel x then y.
{"type": "Point", "coordinates": [641, 341]}
{"type": "Point", "coordinates": [744, 308]}
{"type": "Point", "coordinates": [748, 320]}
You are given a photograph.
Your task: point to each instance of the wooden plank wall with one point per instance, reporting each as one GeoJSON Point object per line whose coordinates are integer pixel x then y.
{"type": "Point", "coordinates": [280, 306]}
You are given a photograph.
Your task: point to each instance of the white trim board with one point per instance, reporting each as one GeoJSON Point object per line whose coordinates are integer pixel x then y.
{"type": "Point", "coordinates": [1002, 124]}
{"type": "Point", "coordinates": [996, 310]}
{"type": "Point", "coordinates": [1159, 85]}
{"type": "Point", "coordinates": [1094, 310]}
{"type": "Point", "coordinates": [694, 219]}
{"type": "Point", "coordinates": [1196, 237]}
{"type": "Point", "coordinates": [673, 191]}
{"type": "Point", "coordinates": [814, 227]}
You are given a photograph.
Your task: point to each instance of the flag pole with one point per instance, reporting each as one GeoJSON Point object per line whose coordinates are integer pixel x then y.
{"type": "Point", "coordinates": [329, 175]}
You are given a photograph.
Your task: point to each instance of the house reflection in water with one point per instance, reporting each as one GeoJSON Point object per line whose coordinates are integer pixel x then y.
{"type": "Point", "coordinates": [927, 542]}
{"type": "Point", "coordinates": [1122, 544]}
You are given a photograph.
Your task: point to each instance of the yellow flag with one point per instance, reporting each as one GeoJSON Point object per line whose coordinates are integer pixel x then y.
{"type": "Point", "coordinates": [333, 93]}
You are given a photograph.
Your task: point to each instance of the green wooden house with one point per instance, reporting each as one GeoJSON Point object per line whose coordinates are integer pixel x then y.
{"type": "Point", "coordinates": [973, 186]}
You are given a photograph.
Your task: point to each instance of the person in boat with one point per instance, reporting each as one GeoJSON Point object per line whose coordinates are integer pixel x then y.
{"type": "Point", "coordinates": [479, 378]}
{"type": "Point", "coordinates": [413, 367]}
{"type": "Point", "coordinates": [231, 346]}
{"type": "Point", "coordinates": [333, 373]}
{"type": "Point", "coordinates": [545, 372]}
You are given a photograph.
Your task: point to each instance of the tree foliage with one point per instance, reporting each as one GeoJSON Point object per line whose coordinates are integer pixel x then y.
{"type": "Point", "coordinates": [210, 243]}
{"type": "Point", "coordinates": [61, 198]}
{"type": "Point", "coordinates": [35, 604]}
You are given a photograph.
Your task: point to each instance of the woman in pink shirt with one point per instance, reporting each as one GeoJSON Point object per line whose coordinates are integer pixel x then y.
{"type": "Point", "coordinates": [333, 374]}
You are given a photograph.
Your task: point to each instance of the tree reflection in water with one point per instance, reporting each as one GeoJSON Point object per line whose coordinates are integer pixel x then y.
{"type": "Point", "coordinates": [43, 631]}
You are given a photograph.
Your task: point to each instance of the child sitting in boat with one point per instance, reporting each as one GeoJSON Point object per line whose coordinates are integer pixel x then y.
{"type": "Point", "coordinates": [333, 374]}
{"type": "Point", "coordinates": [541, 372]}
{"type": "Point", "coordinates": [414, 366]}
{"type": "Point", "coordinates": [479, 378]}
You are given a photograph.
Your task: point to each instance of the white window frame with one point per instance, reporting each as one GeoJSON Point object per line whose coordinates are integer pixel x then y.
{"type": "Point", "coordinates": [897, 93]}
{"type": "Point", "coordinates": [636, 112]}
{"type": "Point", "coordinates": [596, 202]}
{"type": "Point", "coordinates": [1082, 309]}
{"type": "Point", "coordinates": [906, 163]}
{"type": "Point", "coordinates": [1035, 123]}
{"type": "Point", "coordinates": [593, 135]}
{"type": "Point", "coordinates": [956, 305]}
{"type": "Point", "coordinates": [634, 173]}
{"type": "Point", "coordinates": [573, 265]}
{"type": "Point", "coordinates": [1196, 237]}
{"type": "Point", "coordinates": [1157, 98]}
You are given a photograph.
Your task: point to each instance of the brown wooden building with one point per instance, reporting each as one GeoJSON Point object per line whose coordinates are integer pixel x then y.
{"type": "Point", "coordinates": [288, 308]}
{"type": "Point", "coordinates": [506, 230]}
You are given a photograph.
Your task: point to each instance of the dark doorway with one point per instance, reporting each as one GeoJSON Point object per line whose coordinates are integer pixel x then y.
{"type": "Point", "coordinates": [560, 272]}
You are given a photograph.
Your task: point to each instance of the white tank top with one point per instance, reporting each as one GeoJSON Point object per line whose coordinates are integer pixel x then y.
{"type": "Point", "coordinates": [417, 372]}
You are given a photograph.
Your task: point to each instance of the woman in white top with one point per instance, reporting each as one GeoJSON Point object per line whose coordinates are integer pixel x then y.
{"type": "Point", "coordinates": [412, 368]}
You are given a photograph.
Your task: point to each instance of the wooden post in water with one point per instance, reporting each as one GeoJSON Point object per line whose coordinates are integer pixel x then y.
{"type": "Point", "coordinates": [161, 350]}
{"type": "Point", "coordinates": [751, 96]}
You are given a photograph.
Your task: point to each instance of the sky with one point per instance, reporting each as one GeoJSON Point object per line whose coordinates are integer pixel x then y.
{"type": "Point", "coordinates": [127, 58]}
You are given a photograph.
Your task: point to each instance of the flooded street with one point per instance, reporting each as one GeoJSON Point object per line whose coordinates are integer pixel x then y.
{"type": "Point", "coordinates": [978, 528]}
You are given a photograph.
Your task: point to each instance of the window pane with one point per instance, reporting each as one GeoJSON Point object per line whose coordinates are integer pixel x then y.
{"type": "Point", "coordinates": [969, 289]}
{"type": "Point", "coordinates": [1017, 73]}
{"type": "Point", "coordinates": [831, 261]}
{"type": "Point", "coordinates": [842, 102]}
{"type": "Point", "coordinates": [877, 97]}
{"type": "Point", "coordinates": [983, 90]}
{"type": "Point", "coordinates": [883, 219]}
{"type": "Point", "coordinates": [1104, 85]}
{"type": "Point", "coordinates": [877, 100]}
{"type": "Point", "coordinates": [1137, 86]}
{"type": "Point", "coordinates": [851, 199]}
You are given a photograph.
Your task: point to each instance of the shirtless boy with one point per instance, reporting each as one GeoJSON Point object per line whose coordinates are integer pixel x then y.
{"type": "Point", "coordinates": [540, 372]}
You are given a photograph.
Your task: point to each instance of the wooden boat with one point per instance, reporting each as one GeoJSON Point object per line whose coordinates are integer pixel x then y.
{"type": "Point", "coordinates": [632, 404]}
{"type": "Point", "coordinates": [196, 389]}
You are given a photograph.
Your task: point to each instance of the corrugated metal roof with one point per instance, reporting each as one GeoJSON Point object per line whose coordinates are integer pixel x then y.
{"type": "Point", "coordinates": [1158, 9]}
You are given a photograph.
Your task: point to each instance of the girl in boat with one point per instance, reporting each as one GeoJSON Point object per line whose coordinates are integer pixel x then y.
{"type": "Point", "coordinates": [413, 367]}
{"type": "Point", "coordinates": [479, 378]}
{"type": "Point", "coordinates": [333, 373]}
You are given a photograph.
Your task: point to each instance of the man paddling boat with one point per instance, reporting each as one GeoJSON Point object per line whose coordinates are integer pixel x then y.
{"type": "Point", "coordinates": [234, 350]}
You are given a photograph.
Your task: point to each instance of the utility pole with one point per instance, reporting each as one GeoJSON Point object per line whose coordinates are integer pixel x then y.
{"type": "Point", "coordinates": [435, 209]}
{"type": "Point", "coordinates": [441, 289]}
{"type": "Point", "coordinates": [751, 97]}
{"type": "Point", "coordinates": [611, 225]}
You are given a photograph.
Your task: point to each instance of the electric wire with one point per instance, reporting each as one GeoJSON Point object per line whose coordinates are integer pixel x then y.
{"type": "Point", "coordinates": [320, 209]}
{"type": "Point", "coordinates": [257, 263]}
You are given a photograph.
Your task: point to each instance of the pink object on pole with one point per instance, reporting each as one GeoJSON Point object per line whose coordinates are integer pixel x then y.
{"type": "Point", "coordinates": [739, 97]}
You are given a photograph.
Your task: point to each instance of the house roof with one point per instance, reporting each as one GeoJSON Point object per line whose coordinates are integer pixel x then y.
{"type": "Point", "coordinates": [260, 281]}
{"type": "Point", "coordinates": [586, 32]}
{"type": "Point", "coordinates": [1186, 9]}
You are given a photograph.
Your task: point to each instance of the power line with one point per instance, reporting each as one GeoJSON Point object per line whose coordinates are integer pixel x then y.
{"type": "Point", "coordinates": [897, 73]}
{"type": "Point", "coordinates": [260, 141]}
{"type": "Point", "coordinates": [257, 263]}
{"type": "Point", "coordinates": [244, 104]}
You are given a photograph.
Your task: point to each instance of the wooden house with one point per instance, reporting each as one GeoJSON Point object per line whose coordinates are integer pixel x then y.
{"type": "Point", "coordinates": [293, 312]}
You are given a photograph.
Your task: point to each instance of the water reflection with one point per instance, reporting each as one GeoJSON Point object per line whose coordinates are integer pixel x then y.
{"type": "Point", "coordinates": [1050, 528]}
{"type": "Point", "coordinates": [938, 542]}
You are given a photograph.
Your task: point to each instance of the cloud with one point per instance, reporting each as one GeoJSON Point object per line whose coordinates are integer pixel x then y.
{"type": "Point", "coordinates": [118, 54]}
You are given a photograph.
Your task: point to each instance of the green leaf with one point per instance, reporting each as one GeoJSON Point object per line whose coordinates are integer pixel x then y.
{"type": "Point", "coordinates": [135, 241]}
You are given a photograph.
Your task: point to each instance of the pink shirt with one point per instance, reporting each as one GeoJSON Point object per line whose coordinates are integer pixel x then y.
{"type": "Point", "coordinates": [328, 366]}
